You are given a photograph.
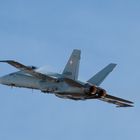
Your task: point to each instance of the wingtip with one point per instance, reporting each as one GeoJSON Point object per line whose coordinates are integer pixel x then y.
{"type": "Point", "coordinates": [4, 60]}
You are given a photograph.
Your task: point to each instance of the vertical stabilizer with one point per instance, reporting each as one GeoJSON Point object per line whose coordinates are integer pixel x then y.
{"type": "Point", "coordinates": [101, 75]}
{"type": "Point", "coordinates": [72, 67]}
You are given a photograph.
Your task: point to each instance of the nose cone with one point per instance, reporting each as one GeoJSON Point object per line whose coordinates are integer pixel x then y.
{"type": "Point", "coordinates": [3, 80]}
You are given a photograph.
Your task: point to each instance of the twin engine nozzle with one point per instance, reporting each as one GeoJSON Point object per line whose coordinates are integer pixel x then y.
{"type": "Point", "coordinates": [94, 90]}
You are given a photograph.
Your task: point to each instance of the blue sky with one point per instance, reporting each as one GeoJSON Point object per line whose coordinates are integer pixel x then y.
{"type": "Point", "coordinates": [44, 32]}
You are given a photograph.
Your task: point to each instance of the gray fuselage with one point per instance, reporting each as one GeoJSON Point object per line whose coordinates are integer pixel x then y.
{"type": "Point", "coordinates": [59, 88]}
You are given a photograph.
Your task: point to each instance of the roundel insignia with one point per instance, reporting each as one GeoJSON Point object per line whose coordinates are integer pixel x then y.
{"type": "Point", "coordinates": [71, 62]}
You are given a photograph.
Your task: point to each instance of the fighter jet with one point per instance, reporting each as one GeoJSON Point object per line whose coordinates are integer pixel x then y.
{"type": "Point", "coordinates": [65, 85]}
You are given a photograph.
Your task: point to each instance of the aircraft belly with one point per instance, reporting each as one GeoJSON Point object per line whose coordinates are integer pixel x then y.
{"type": "Point", "coordinates": [71, 93]}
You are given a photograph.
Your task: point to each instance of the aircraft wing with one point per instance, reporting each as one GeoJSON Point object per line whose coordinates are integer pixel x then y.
{"type": "Point", "coordinates": [118, 101]}
{"type": "Point", "coordinates": [28, 70]}
{"type": "Point", "coordinates": [39, 75]}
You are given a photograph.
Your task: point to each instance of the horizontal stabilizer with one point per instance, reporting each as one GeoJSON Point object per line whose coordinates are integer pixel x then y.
{"type": "Point", "coordinates": [117, 101]}
{"type": "Point", "coordinates": [100, 76]}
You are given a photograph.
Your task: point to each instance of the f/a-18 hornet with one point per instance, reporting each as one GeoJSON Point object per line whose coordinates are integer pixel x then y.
{"type": "Point", "coordinates": [65, 85]}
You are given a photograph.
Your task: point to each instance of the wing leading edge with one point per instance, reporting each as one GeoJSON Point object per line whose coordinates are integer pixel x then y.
{"type": "Point", "coordinates": [28, 70]}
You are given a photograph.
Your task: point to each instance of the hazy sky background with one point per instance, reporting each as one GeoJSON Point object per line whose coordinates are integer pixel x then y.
{"type": "Point", "coordinates": [44, 32]}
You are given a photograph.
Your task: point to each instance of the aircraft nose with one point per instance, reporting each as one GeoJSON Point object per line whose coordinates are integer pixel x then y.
{"type": "Point", "coordinates": [0, 80]}
{"type": "Point", "coordinates": [3, 80]}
